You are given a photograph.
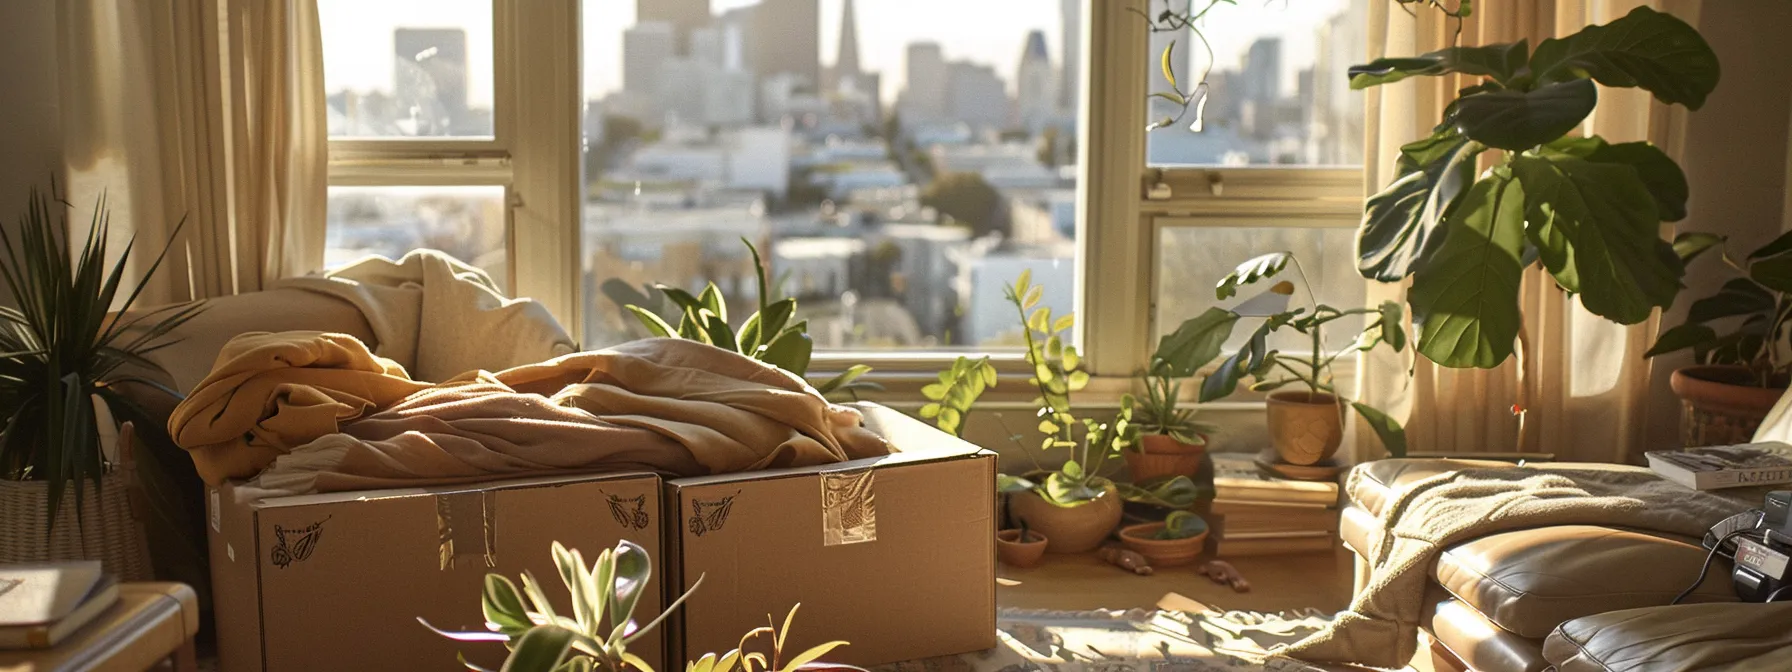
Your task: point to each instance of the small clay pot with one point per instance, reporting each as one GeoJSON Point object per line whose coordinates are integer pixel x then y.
{"type": "Point", "coordinates": [1305, 427]}
{"type": "Point", "coordinates": [1162, 552]}
{"type": "Point", "coordinates": [1160, 456]}
{"type": "Point", "coordinates": [1068, 529]}
{"type": "Point", "coordinates": [1016, 553]}
{"type": "Point", "coordinates": [1720, 405]}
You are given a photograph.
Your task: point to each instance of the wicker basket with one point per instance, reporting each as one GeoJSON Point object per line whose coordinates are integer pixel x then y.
{"type": "Point", "coordinates": [107, 529]}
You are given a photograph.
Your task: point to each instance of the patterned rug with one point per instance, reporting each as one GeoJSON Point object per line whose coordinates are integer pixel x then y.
{"type": "Point", "coordinates": [1124, 641]}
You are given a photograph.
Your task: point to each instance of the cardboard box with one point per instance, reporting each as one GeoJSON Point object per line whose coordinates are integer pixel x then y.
{"type": "Point", "coordinates": [337, 581]}
{"type": "Point", "coordinates": [894, 554]}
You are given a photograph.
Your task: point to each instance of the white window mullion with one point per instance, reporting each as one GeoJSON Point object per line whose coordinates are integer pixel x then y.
{"type": "Point", "coordinates": [1115, 276]}
{"type": "Point", "coordinates": [538, 58]}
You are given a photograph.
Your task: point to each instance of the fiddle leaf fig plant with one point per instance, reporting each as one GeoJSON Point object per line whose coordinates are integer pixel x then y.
{"type": "Point", "coordinates": [1586, 209]}
{"type": "Point", "coordinates": [767, 335]}
{"type": "Point", "coordinates": [1198, 341]}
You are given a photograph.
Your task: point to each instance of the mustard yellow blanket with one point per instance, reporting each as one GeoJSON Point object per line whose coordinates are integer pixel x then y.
{"type": "Point", "coordinates": [316, 412]}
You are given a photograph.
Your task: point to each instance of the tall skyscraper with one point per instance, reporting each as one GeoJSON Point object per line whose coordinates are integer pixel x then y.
{"type": "Point", "coordinates": [924, 94]}
{"type": "Point", "coordinates": [976, 95]}
{"type": "Point", "coordinates": [1262, 73]}
{"type": "Point", "coordinates": [645, 46]}
{"type": "Point", "coordinates": [1036, 90]}
{"type": "Point", "coordinates": [789, 39]}
{"type": "Point", "coordinates": [846, 60]}
{"type": "Point", "coordinates": [430, 77]}
{"type": "Point", "coordinates": [684, 16]}
{"type": "Point", "coordinates": [1071, 60]}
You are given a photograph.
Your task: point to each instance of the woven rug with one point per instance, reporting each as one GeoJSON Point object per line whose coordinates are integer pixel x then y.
{"type": "Point", "coordinates": [1123, 641]}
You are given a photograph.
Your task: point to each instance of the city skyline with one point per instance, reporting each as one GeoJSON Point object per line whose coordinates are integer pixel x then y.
{"type": "Point", "coordinates": [985, 33]}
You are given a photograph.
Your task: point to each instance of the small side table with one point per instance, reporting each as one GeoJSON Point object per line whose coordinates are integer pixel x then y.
{"type": "Point", "coordinates": [152, 622]}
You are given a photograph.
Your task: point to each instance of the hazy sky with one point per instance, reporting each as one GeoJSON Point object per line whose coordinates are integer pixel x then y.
{"type": "Point", "coordinates": [358, 34]}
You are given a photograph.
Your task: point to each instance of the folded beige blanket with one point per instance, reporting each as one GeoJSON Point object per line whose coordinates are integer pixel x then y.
{"type": "Point", "coordinates": [1381, 626]}
{"type": "Point", "coordinates": [667, 405]}
{"type": "Point", "coordinates": [439, 316]}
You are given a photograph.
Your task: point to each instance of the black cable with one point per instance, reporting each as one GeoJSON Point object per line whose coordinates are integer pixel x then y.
{"type": "Point", "coordinates": [1776, 593]}
{"type": "Point", "coordinates": [1706, 568]}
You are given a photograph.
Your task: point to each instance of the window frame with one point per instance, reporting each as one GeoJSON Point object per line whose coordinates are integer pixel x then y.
{"type": "Point", "coordinates": [534, 153]}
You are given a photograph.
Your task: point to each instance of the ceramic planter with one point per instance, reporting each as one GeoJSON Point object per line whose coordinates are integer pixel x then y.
{"type": "Point", "coordinates": [1159, 456]}
{"type": "Point", "coordinates": [1720, 405]}
{"type": "Point", "coordinates": [1162, 552]}
{"type": "Point", "coordinates": [1305, 427]}
{"type": "Point", "coordinates": [1016, 553]}
{"type": "Point", "coordinates": [1068, 529]}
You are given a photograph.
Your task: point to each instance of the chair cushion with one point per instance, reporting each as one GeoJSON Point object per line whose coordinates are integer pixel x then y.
{"type": "Point", "coordinates": [1371, 484]}
{"type": "Point", "coordinates": [1356, 527]}
{"type": "Point", "coordinates": [1530, 581]}
{"type": "Point", "coordinates": [1481, 644]}
{"type": "Point", "coordinates": [1739, 636]}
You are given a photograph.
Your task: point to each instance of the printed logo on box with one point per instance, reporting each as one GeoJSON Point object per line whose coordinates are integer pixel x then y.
{"type": "Point", "coordinates": [295, 545]}
{"type": "Point", "coordinates": [709, 515]}
{"type": "Point", "coordinates": [848, 508]}
{"type": "Point", "coordinates": [630, 512]}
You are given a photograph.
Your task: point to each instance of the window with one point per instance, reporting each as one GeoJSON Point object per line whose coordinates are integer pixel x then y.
{"type": "Point", "coordinates": [895, 162]}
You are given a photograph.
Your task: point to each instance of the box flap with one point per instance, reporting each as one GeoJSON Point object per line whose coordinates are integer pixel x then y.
{"type": "Point", "coordinates": [432, 490]}
{"type": "Point", "coordinates": [911, 441]}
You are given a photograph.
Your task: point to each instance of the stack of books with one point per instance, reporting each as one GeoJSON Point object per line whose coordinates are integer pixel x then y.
{"type": "Point", "coordinates": [1719, 467]}
{"type": "Point", "coordinates": [1267, 515]}
{"type": "Point", "coordinates": [41, 604]}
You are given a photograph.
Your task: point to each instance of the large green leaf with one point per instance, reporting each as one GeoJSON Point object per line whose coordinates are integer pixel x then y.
{"type": "Point", "coordinates": [1688, 246]}
{"type": "Point", "coordinates": [1399, 226]}
{"type": "Point", "coordinates": [1195, 343]}
{"type": "Point", "coordinates": [539, 650]}
{"type": "Point", "coordinates": [1682, 337]}
{"type": "Point", "coordinates": [1465, 301]}
{"type": "Point", "coordinates": [1257, 268]}
{"type": "Point", "coordinates": [1774, 272]}
{"type": "Point", "coordinates": [1778, 245]}
{"type": "Point", "coordinates": [1595, 226]}
{"type": "Point", "coordinates": [1739, 296]}
{"type": "Point", "coordinates": [1392, 435]}
{"type": "Point", "coordinates": [790, 350]}
{"type": "Point", "coordinates": [1520, 120]}
{"type": "Point", "coordinates": [1499, 61]}
{"type": "Point", "coordinates": [1660, 175]}
{"type": "Point", "coordinates": [1644, 48]}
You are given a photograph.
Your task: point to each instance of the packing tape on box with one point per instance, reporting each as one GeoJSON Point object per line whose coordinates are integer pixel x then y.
{"type": "Point", "coordinates": [464, 527]}
{"type": "Point", "coordinates": [848, 507]}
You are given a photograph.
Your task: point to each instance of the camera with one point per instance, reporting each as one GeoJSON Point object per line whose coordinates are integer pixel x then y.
{"type": "Point", "coordinates": [1762, 549]}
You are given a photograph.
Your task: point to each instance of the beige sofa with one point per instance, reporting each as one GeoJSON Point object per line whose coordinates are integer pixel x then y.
{"type": "Point", "coordinates": [1571, 597]}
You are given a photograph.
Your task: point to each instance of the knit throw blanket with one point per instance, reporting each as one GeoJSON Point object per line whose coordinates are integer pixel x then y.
{"type": "Point", "coordinates": [1381, 626]}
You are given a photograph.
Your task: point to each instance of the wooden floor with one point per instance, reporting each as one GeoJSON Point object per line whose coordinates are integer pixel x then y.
{"type": "Point", "coordinates": [1081, 582]}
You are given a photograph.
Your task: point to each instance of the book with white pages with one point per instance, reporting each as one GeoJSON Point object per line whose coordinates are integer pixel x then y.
{"type": "Point", "coordinates": [42, 603]}
{"type": "Point", "coordinates": [1718, 467]}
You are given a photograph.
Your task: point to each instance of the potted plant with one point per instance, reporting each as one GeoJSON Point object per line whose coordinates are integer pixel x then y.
{"type": "Point", "coordinates": [1020, 547]}
{"type": "Point", "coordinates": [766, 335]}
{"type": "Point", "coordinates": [1306, 423]}
{"type": "Point", "coordinates": [1178, 540]}
{"type": "Point", "coordinates": [64, 347]}
{"type": "Point", "coordinates": [1741, 372]}
{"type": "Point", "coordinates": [1171, 442]}
{"type": "Point", "coordinates": [1586, 210]}
{"type": "Point", "coordinates": [597, 633]}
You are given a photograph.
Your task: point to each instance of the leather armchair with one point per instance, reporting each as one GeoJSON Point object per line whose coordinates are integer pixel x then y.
{"type": "Point", "coordinates": [1570, 597]}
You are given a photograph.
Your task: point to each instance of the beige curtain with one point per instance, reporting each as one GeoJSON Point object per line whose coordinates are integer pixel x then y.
{"type": "Point", "coordinates": [1582, 392]}
{"type": "Point", "coordinates": [209, 111]}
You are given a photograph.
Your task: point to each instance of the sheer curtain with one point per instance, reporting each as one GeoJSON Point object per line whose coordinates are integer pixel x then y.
{"type": "Point", "coordinates": [1582, 392]}
{"type": "Point", "coordinates": [209, 111]}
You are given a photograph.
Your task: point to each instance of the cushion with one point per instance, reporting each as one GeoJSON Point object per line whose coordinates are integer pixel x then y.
{"type": "Point", "coordinates": [1479, 643]}
{"type": "Point", "coordinates": [1530, 581]}
{"type": "Point", "coordinates": [1370, 485]}
{"type": "Point", "coordinates": [1738, 636]}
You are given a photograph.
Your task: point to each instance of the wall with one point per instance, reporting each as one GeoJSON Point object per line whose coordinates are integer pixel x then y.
{"type": "Point", "coordinates": [1736, 161]}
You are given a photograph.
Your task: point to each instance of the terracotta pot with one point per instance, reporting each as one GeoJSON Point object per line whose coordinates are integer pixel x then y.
{"type": "Point", "coordinates": [1068, 529]}
{"type": "Point", "coordinates": [1016, 553]}
{"type": "Point", "coordinates": [1159, 456]}
{"type": "Point", "coordinates": [1162, 552]}
{"type": "Point", "coordinates": [1305, 428]}
{"type": "Point", "coordinates": [1720, 405]}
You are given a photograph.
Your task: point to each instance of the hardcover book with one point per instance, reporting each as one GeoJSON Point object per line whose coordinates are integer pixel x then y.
{"type": "Point", "coordinates": [1237, 478]}
{"type": "Point", "coordinates": [40, 604]}
{"type": "Point", "coordinates": [1718, 467]}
